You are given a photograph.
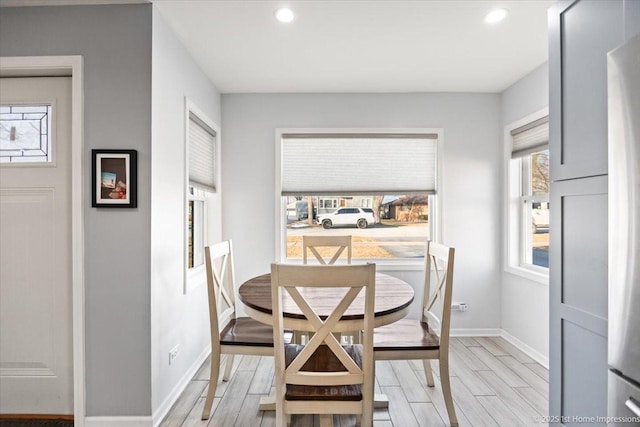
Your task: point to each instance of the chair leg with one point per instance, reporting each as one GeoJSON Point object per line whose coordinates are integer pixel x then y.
{"type": "Point", "coordinates": [227, 368]}
{"type": "Point", "coordinates": [446, 391]}
{"type": "Point", "coordinates": [428, 372]}
{"type": "Point", "coordinates": [282, 420]}
{"type": "Point", "coordinates": [326, 420]}
{"type": "Point", "coordinates": [213, 384]}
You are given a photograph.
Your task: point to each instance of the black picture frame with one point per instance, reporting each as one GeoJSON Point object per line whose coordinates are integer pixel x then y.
{"type": "Point", "coordinates": [114, 182]}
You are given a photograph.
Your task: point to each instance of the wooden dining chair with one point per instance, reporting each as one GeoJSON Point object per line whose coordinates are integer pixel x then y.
{"type": "Point", "coordinates": [230, 334]}
{"type": "Point", "coordinates": [323, 377]}
{"type": "Point", "coordinates": [416, 339]}
{"type": "Point", "coordinates": [336, 245]}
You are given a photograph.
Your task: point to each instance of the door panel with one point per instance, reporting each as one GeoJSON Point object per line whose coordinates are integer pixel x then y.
{"type": "Point", "coordinates": [584, 368]}
{"type": "Point", "coordinates": [36, 366]}
{"type": "Point", "coordinates": [584, 264]}
{"type": "Point", "coordinates": [581, 34]}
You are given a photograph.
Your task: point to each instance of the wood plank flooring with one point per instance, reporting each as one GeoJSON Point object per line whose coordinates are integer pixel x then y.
{"type": "Point", "coordinates": [493, 383]}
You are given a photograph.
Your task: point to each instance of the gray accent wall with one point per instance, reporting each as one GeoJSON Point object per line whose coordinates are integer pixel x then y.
{"type": "Point", "coordinates": [524, 301]}
{"type": "Point", "coordinates": [115, 42]}
{"type": "Point", "coordinates": [471, 193]}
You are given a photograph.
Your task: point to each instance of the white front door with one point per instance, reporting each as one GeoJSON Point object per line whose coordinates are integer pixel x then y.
{"type": "Point", "coordinates": [36, 328]}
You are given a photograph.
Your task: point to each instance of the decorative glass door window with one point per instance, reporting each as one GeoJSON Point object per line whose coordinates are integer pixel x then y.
{"type": "Point", "coordinates": [25, 134]}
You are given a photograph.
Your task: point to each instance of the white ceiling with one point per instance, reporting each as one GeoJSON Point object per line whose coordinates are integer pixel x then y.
{"type": "Point", "coordinates": [355, 45]}
{"type": "Point", "coordinates": [361, 45]}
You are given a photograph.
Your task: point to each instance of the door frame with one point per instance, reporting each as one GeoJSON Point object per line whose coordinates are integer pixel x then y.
{"type": "Point", "coordinates": [72, 65]}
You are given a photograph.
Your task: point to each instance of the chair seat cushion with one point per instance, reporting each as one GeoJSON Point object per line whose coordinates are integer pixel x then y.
{"type": "Point", "coordinates": [323, 360]}
{"type": "Point", "coordinates": [405, 334]}
{"type": "Point", "coordinates": [246, 331]}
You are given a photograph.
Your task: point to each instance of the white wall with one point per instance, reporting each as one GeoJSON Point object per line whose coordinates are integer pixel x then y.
{"type": "Point", "coordinates": [176, 318]}
{"type": "Point", "coordinates": [472, 177]}
{"type": "Point", "coordinates": [525, 303]}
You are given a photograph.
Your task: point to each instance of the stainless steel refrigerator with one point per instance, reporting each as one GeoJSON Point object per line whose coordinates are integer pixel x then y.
{"type": "Point", "coordinates": [624, 234]}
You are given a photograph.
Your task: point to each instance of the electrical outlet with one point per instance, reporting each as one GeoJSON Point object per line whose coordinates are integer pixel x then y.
{"type": "Point", "coordinates": [459, 306]}
{"type": "Point", "coordinates": [173, 354]}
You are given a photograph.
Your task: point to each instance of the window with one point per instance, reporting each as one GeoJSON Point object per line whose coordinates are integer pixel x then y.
{"type": "Point", "coordinates": [328, 203]}
{"type": "Point", "coordinates": [25, 134]}
{"type": "Point", "coordinates": [195, 227]}
{"type": "Point", "coordinates": [378, 187]}
{"type": "Point", "coordinates": [201, 185]}
{"type": "Point", "coordinates": [528, 242]}
{"type": "Point", "coordinates": [535, 209]}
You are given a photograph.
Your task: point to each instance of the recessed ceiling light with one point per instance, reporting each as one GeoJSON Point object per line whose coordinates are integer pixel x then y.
{"type": "Point", "coordinates": [495, 16]}
{"type": "Point", "coordinates": [284, 14]}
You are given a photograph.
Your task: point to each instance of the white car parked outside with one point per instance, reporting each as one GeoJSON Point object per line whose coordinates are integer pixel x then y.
{"type": "Point", "coordinates": [360, 217]}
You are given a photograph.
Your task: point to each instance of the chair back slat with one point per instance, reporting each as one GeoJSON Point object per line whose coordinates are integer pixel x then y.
{"type": "Point", "coordinates": [332, 248]}
{"type": "Point", "coordinates": [439, 270]}
{"type": "Point", "coordinates": [220, 286]}
{"type": "Point", "coordinates": [323, 330]}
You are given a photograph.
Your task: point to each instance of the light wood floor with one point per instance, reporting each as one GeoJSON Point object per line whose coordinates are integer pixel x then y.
{"type": "Point", "coordinates": [494, 384]}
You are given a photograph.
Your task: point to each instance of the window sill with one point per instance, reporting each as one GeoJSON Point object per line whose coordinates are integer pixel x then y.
{"type": "Point", "coordinates": [534, 276]}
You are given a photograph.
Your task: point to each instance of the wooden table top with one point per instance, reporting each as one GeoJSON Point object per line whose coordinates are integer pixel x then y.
{"type": "Point", "coordinates": [393, 298]}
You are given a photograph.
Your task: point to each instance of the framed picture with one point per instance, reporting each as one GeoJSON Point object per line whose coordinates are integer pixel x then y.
{"type": "Point", "coordinates": [114, 179]}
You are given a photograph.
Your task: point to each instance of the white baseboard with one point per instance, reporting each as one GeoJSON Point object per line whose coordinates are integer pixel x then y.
{"type": "Point", "coordinates": [118, 422]}
{"type": "Point", "coordinates": [168, 402]}
{"type": "Point", "coordinates": [496, 332]}
{"type": "Point", "coordinates": [534, 354]}
{"type": "Point", "coordinates": [475, 332]}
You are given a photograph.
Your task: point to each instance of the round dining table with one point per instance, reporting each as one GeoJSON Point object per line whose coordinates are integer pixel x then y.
{"type": "Point", "coordinates": [393, 298]}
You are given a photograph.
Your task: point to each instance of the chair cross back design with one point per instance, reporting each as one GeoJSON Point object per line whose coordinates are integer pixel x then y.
{"type": "Point", "coordinates": [230, 334]}
{"type": "Point", "coordinates": [412, 339]}
{"type": "Point", "coordinates": [320, 246]}
{"type": "Point", "coordinates": [223, 252]}
{"type": "Point", "coordinates": [441, 274]}
{"type": "Point", "coordinates": [312, 243]}
{"type": "Point", "coordinates": [323, 377]}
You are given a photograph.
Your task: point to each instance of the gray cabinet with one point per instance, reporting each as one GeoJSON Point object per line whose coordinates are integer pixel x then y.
{"type": "Point", "coordinates": [578, 299]}
{"type": "Point", "coordinates": [581, 33]}
{"type": "Point", "coordinates": [631, 18]}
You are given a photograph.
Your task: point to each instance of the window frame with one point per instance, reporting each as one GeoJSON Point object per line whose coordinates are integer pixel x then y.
{"type": "Point", "coordinates": [435, 209]}
{"type": "Point", "coordinates": [517, 240]}
{"type": "Point", "coordinates": [527, 199]}
{"type": "Point", "coordinates": [334, 203]}
{"type": "Point", "coordinates": [197, 276]}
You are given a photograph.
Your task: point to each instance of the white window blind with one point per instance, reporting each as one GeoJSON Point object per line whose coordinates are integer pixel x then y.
{"type": "Point", "coordinates": [202, 142]}
{"type": "Point", "coordinates": [530, 138]}
{"type": "Point", "coordinates": [358, 164]}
